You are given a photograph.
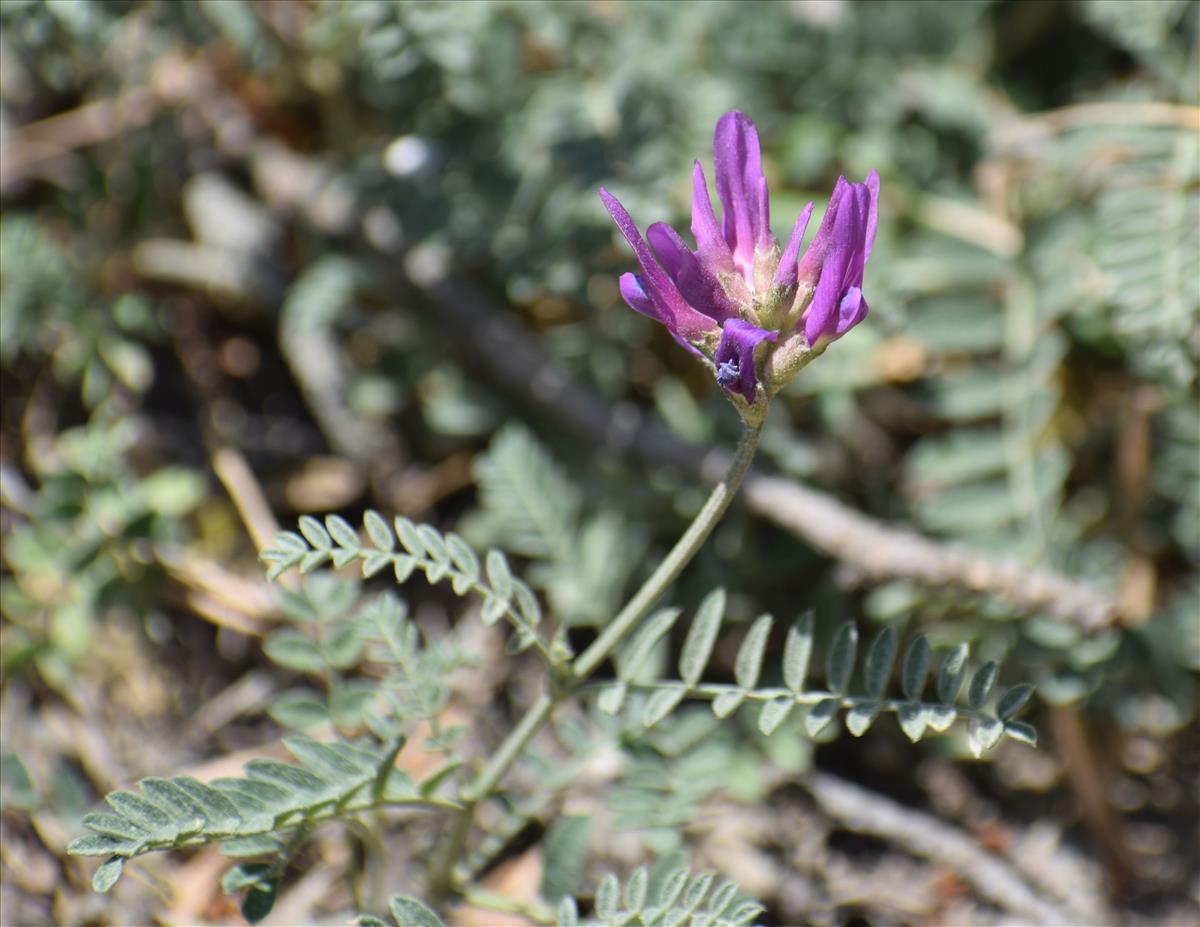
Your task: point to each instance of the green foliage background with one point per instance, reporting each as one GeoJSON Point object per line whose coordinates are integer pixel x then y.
{"type": "Point", "coordinates": [282, 229]}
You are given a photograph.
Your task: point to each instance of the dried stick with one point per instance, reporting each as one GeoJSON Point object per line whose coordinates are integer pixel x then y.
{"type": "Point", "coordinates": [866, 812]}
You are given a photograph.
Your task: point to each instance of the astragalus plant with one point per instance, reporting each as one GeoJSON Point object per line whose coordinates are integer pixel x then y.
{"type": "Point", "coordinates": [755, 314]}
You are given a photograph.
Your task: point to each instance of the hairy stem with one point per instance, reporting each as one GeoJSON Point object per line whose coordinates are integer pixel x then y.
{"type": "Point", "coordinates": [672, 565]}
{"type": "Point", "coordinates": [442, 878]}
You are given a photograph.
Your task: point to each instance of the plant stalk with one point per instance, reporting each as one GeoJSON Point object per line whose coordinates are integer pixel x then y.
{"type": "Point", "coordinates": [672, 565]}
{"type": "Point", "coordinates": [442, 879]}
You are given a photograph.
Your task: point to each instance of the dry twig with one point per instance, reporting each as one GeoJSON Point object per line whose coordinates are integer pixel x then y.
{"type": "Point", "coordinates": [993, 878]}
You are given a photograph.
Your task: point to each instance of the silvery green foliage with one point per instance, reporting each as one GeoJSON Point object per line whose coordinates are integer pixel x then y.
{"type": "Point", "coordinates": [679, 898]}
{"type": "Point", "coordinates": [441, 557]}
{"type": "Point", "coordinates": [332, 630]}
{"type": "Point", "coordinates": [774, 704]}
{"type": "Point", "coordinates": [671, 898]}
{"type": "Point", "coordinates": [47, 311]}
{"type": "Point", "coordinates": [85, 525]}
{"type": "Point", "coordinates": [406, 912]}
{"type": "Point", "coordinates": [250, 815]}
{"type": "Point", "coordinates": [528, 506]}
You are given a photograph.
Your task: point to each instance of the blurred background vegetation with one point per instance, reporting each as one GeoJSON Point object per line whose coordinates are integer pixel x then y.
{"type": "Point", "coordinates": [269, 258]}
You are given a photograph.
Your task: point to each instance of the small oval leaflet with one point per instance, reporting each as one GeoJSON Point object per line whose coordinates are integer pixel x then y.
{"type": "Point", "coordinates": [840, 663]}
{"type": "Point", "coordinates": [748, 665]}
{"type": "Point", "coordinates": [878, 664]}
{"type": "Point", "coordinates": [797, 651]}
{"type": "Point", "coordinates": [774, 713]}
{"type": "Point", "coordinates": [915, 669]}
{"type": "Point", "coordinates": [820, 715]}
{"type": "Point", "coordinates": [698, 645]}
{"type": "Point", "coordinates": [981, 684]}
{"type": "Point", "coordinates": [409, 912]}
{"type": "Point", "coordinates": [950, 674]}
{"type": "Point", "coordinates": [108, 873]}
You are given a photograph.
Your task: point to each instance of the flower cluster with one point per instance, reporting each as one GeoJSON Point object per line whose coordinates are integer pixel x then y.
{"type": "Point", "coordinates": [755, 313]}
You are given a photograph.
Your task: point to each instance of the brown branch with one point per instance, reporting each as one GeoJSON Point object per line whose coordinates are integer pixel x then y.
{"type": "Point", "coordinates": [993, 878]}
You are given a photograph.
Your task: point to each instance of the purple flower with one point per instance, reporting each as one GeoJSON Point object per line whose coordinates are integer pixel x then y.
{"type": "Point", "coordinates": [736, 290]}
{"type": "Point", "coordinates": [735, 357]}
{"type": "Point", "coordinates": [833, 265]}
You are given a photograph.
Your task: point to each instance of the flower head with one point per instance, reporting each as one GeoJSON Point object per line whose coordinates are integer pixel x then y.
{"type": "Point", "coordinates": [731, 299]}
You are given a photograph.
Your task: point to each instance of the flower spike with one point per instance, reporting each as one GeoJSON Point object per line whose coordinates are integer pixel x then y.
{"type": "Point", "coordinates": [736, 292]}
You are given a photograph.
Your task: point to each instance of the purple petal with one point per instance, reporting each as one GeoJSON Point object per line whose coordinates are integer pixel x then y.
{"type": "Point", "coordinates": [698, 284]}
{"type": "Point", "coordinates": [635, 296]}
{"type": "Point", "coordinates": [673, 310]}
{"type": "Point", "coordinates": [742, 189]}
{"type": "Point", "coordinates": [851, 310]}
{"type": "Point", "coordinates": [873, 212]}
{"type": "Point", "coordinates": [710, 245]}
{"type": "Point", "coordinates": [842, 251]}
{"type": "Point", "coordinates": [814, 257]}
{"type": "Point", "coordinates": [669, 248]}
{"type": "Point", "coordinates": [785, 276]}
{"type": "Point", "coordinates": [736, 370]}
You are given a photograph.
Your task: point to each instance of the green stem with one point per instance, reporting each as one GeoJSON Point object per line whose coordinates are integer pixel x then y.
{"type": "Point", "coordinates": [665, 573]}
{"type": "Point", "coordinates": [672, 565]}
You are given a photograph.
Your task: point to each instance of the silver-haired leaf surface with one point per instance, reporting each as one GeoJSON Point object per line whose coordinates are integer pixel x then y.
{"type": "Point", "coordinates": [877, 665]}
{"type": "Point", "coordinates": [797, 652]}
{"type": "Point", "coordinates": [748, 665]}
{"type": "Point", "coordinates": [410, 540]}
{"type": "Point", "coordinates": [611, 698]}
{"type": "Point", "coordinates": [672, 887]}
{"type": "Point", "coordinates": [378, 531]}
{"type": "Point", "coordinates": [635, 890]}
{"type": "Point", "coordinates": [463, 557]}
{"type": "Point", "coordinates": [342, 532]}
{"type": "Point", "coordinates": [1013, 700]}
{"type": "Point", "coordinates": [633, 657]}
{"type": "Point", "coordinates": [861, 716]}
{"type": "Point", "coordinates": [106, 876]}
{"type": "Point", "coordinates": [409, 912]}
{"type": "Point", "coordinates": [499, 576]}
{"type": "Point", "coordinates": [941, 717]}
{"type": "Point", "coordinates": [315, 533]}
{"type": "Point", "coordinates": [980, 686]}
{"type": "Point", "coordinates": [721, 899]}
{"type": "Point", "coordinates": [840, 663]}
{"type": "Point", "coordinates": [698, 645]}
{"type": "Point", "coordinates": [950, 674]}
{"type": "Point", "coordinates": [404, 566]}
{"type": "Point", "coordinates": [694, 894]}
{"type": "Point", "coordinates": [745, 914]}
{"type": "Point", "coordinates": [662, 703]}
{"type": "Point", "coordinates": [565, 850]}
{"type": "Point", "coordinates": [983, 734]}
{"type": "Point", "coordinates": [293, 650]}
{"type": "Point", "coordinates": [728, 702]}
{"type": "Point", "coordinates": [608, 898]}
{"type": "Point", "coordinates": [913, 718]}
{"type": "Point", "coordinates": [568, 913]}
{"type": "Point", "coordinates": [434, 542]}
{"type": "Point", "coordinates": [820, 715]}
{"type": "Point", "coordinates": [915, 668]}
{"type": "Point", "coordinates": [774, 713]}
{"type": "Point", "coordinates": [1022, 732]}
